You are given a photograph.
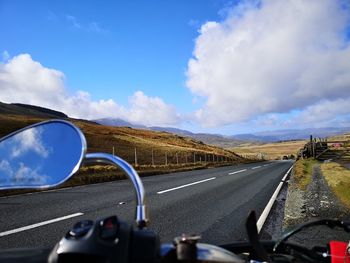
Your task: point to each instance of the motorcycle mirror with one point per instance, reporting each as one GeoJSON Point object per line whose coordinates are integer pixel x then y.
{"type": "Point", "coordinates": [41, 156]}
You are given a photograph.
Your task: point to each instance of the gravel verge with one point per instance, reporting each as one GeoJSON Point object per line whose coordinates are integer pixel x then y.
{"type": "Point", "coordinates": [317, 202]}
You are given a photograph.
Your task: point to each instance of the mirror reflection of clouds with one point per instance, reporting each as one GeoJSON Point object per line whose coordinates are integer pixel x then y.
{"type": "Point", "coordinates": [29, 141]}
{"type": "Point", "coordinates": [27, 174]}
{"type": "Point", "coordinates": [21, 174]}
{"type": "Point", "coordinates": [6, 168]}
{"type": "Point", "coordinates": [40, 156]}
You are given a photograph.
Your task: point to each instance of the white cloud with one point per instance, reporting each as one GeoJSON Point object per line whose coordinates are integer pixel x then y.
{"type": "Point", "coordinates": [28, 176]}
{"type": "Point", "coordinates": [325, 110]}
{"type": "Point", "coordinates": [270, 57]}
{"type": "Point", "coordinates": [5, 169]}
{"type": "Point", "coordinates": [24, 80]}
{"type": "Point", "coordinates": [95, 27]}
{"type": "Point", "coordinates": [20, 175]}
{"type": "Point", "coordinates": [90, 27]}
{"type": "Point", "coordinates": [73, 21]}
{"type": "Point", "coordinates": [29, 140]}
{"type": "Point", "coordinates": [151, 111]}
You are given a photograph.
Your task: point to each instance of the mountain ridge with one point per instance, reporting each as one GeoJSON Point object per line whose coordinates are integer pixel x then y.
{"type": "Point", "coordinates": [224, 141]}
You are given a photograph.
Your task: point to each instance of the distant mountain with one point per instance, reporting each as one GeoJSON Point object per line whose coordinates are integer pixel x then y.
{"type": "Point", "coordinates": [24, 109]}
{"type": "Point", "coordinates": [293, 134]}
{"type": "Point", "coordinates": [172, 130]}
{"type": "Point", "coordinates": [210, 139]}
{"type": "Point", "coordinates": [234, 140]}
{"type": "Point", "coordinates": [118, 123]}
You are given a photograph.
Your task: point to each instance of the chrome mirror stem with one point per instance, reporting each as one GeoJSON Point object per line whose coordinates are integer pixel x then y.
{"type": "Point", "coordinates": [141, 216]}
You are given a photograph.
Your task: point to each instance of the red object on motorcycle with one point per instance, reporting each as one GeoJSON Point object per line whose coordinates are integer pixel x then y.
{"type": "Point", "coordinates": [339, 252]}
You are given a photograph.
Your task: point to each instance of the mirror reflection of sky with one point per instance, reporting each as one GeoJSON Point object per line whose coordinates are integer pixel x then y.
{"type": "Point", "coordinates": [43, 155]}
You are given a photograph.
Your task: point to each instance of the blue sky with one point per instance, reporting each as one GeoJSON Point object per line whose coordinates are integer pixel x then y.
{"type": "Point", "coordinates": [140, 45]}
{"type": "Point", "coordinates": [211, 66]}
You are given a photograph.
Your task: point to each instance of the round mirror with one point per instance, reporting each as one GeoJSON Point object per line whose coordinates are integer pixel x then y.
{"type": "Point", "coordinates": [41, 156]}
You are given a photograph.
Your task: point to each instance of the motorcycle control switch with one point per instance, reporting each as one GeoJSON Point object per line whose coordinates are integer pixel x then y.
{"type": "Point", "coordinates": [186, 247]}
{"type": "Point", "coordinates": [81, 228]}
{"type": "Point", "coordinates": [109, 228]}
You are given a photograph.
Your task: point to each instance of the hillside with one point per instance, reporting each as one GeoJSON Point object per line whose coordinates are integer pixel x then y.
{"type": "Point", "coordinates": [167, 147]}
{"type": "Point", "coordinates": [269, 150]}
{"type": "Point", "coordinates": [29, 110]}
{"type": "Point", "coordinates": [207, 138]}
{"type": "Point", "coordinates": [293, 134]}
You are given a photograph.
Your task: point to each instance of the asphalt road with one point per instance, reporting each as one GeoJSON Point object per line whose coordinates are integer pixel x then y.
{"type": "Point", "coordinates": [213, 203]}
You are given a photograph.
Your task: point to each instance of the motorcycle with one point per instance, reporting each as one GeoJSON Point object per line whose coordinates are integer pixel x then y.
{"type": "Point", "coordinates": [47, 154]}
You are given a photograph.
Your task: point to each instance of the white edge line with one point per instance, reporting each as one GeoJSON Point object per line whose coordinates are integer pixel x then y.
{"type": "Point", "coordinates": [268, 207]}
{"type": "Point", "coordinates": [256, 167]}
{"type": "Point", "coordinates": [236, 172]}
{"type": "Point", "coordinates": [13, 231]}
{"type": "Point", "coordinates": [185, 185]}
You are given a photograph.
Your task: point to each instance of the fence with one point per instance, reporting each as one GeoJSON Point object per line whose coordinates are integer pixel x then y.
{"type": "Point", "coordinates": [160, 157]}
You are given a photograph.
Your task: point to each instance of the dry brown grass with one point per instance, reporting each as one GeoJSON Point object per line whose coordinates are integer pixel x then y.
{"type": "Point", "coordinates": [338, 178]}
{"type": "Point", "coordinates": [124, 140]}
{"type": "Point", "coordinates": [270, 150]}
{"type": "Point", "coordinates": [102, 138]}
{"type": "Point", "coordinates": [341, 137]}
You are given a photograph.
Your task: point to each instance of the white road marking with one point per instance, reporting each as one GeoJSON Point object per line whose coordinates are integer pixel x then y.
{"type": "Point", "coordinates": [256, 167]}
{"type": "Point", "coordinates": [236, 172]}
{"type": "Point", "coordinates": [269, 205]}
{"type": "Point", "coordinates": [266, 165]}
{"type": "Point", "coordinates": [185, 185]}
{"type": "Point", "coordinates": [13, 231]}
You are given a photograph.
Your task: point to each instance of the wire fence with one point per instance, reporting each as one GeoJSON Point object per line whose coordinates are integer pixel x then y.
{"type": "Point", "coordinates": [160, 157]}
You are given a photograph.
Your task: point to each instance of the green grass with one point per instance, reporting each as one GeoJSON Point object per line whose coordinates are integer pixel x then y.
{"type": "Point", "coordinates": [338, 179]}
{"type": "Point", "coordinates": [303, 172]}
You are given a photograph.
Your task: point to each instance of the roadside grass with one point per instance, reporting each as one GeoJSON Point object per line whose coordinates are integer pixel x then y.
{"type": "Point", "coordinates": [107, 173]}
{"type": "Point", "coordinates": [303, 172]}
{"type": "Point", "coordinates": [338, 178]}
{"type": "Point", "coordinates": [270, 150]}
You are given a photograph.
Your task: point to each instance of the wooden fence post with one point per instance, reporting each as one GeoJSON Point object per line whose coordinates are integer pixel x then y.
{"type": "Point", "coordinates": [152, 158]}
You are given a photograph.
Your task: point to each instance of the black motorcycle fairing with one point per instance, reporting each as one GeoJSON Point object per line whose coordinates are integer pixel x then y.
{"type": "Point", "coordinates": [107, 240]}
{"type": "Point", "coordinates": [28, 255]}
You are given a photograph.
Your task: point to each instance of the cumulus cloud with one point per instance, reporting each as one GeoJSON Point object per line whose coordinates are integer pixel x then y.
{"type": "Point", "coordinates": [151, 111]}
{"type": "Point", "coordinates": [326, 110]}
{"type": "Point", "coordinates": [272, 57]}
{"type": "Point", "coordinates": [24, 80]}
{"type": "Point", "coordinates": [29, 141]}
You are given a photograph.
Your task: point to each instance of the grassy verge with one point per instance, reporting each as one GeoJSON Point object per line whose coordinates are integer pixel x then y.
{"type": "Point", "coordinates": [303, 172]}
{"type": "Point", "coordinates": [338, 178]}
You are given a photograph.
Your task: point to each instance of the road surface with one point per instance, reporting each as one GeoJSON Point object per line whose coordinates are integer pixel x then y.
{"type": "Point", "coordinates": [213, 203]}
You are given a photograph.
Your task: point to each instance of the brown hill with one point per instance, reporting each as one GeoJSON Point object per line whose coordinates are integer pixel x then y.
{"type": "Point", "coordinates": [166, 147]}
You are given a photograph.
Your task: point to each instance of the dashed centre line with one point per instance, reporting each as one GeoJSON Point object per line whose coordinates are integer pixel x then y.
{"type": "Point", "coordinates": [10, 232]}
{"type": "Point", "coordinates": [185, 185]}
{"type": "Point", "coordinates": [236, 172]}
{"type": "Point", "coordinates": [256, 167]}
